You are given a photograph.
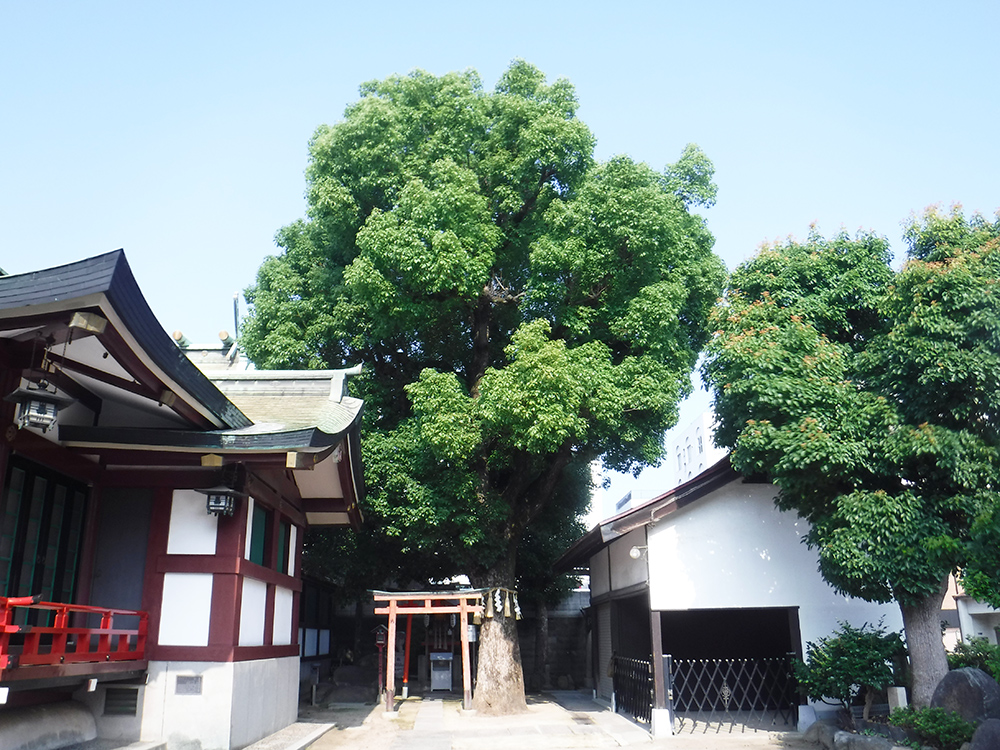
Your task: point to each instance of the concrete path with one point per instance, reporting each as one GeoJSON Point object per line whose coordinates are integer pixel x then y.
{"type": "Point", "coordinates": [553, 722]}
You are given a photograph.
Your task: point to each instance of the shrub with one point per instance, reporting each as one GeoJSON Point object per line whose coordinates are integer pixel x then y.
{"type": "Point", "coordinates": [979, 653]}
{"type": "Point", "coordinates": [849, 661]}
{"type": "Point", "coordinates": [934, 726]}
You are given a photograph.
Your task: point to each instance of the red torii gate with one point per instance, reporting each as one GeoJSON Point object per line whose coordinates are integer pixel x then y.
{"type": "Point", "coordinates": [461, 603]}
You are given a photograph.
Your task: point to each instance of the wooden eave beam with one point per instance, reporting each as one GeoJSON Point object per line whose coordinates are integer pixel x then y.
{"type": "Point", "coordinates": [131, 386]}
{"type": "Point", "coordinates": [126, 457]}
{"type": "Point", "coordinates": [122, 352]}
{"type": "Point", "coordinates": [53, 455]}
{"type": "Point", "coordinates": [54, 325]}
{"type": "Point", "coordinates": [144, 382]}
{"type": "Point", "coordinates": [70, 387]}
{"type": "Point", "coordinates": [326, 504]}
{"type": "Point", "coordinates": [162, 477]}
{"type": "Point", "coordinates": [277, 491]}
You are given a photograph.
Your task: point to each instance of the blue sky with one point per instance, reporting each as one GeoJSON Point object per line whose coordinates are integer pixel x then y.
{"type": "Point", "coordinates": [179, 130]}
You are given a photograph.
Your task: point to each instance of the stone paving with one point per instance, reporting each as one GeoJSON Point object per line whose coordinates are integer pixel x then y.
{"type": "Point", "coordinates": [553, 722]}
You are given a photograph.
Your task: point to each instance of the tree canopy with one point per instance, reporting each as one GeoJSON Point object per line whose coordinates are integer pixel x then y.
{"type": "Point", "coordinates": [520, 308]}
{"type": "Point", "coordinates": [870, 397]}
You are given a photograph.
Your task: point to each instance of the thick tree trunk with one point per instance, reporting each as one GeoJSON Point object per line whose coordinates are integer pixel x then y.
{"type": "Point", "coordinates": [499, 679]}
{"type": "Point", "coordinates": [922, 623]}
{"type": "Point", "coordinates": [499, 676]}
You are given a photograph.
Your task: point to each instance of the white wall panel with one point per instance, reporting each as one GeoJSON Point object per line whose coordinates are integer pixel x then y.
{"type": "Point", "coordinates": [193, 529]}
{"type": "Point", "coordinates": [253, 610]}
{"type": "Point", "coordinates": [292, 540]}
{"type": "Point", "coordinates": [282, 631]}
{"type": "Point", "coordinates": [311, 642]}
{"type": "Point", "coordinates": [249, 519]}
{"type": "Point", "coordinates": [186, 610]}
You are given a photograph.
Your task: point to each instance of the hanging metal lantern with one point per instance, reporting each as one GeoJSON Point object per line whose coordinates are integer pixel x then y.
{"type": "Point", "coordinates": [38, 405]}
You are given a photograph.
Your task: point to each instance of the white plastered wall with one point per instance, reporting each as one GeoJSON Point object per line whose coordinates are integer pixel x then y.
{"type": "Point", "coordinates": [626, 571]}
{"type": "Point", "coordinates": [186, 610]}
{"type": "Point", "coordinates": [186, 606]}
{"type": "Point", "coordinates": [193, 530]}
{"type": "Point", "coordinates": [977, 620]}
{"type": "Point", "coordinates": [292, 541]}
{"type": "Point", "coordinates": [188, 721]}
{"type": "Point", "coordinates": [265, 698]}
{"type": "Point", "coordinates": [253, 610]}
{"type": "Point", "coordinates": [734, 548]}
{"type": "Point", "coordinates": [239, 703]}
{"type": "Point", "coordinates": [282, 624]}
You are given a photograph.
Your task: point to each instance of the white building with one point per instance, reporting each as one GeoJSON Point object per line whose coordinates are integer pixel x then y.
{"type": "Point", "coordinates": [714, 575]}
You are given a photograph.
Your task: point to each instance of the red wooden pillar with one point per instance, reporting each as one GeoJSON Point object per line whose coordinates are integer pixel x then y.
{"type": "Point", "coordinates": [390, 669]}
{"type": "Point", "coordinates": [406, 657]}
{"type": "Point", "coordinates": [463, 610]}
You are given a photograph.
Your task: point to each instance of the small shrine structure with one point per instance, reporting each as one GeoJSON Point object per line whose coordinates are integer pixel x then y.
{"type": "Point", "coordinates": [460, 603]}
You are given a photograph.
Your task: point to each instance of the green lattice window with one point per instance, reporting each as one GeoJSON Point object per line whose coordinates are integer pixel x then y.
{"type": "Point", "coordinates": [41, 525]}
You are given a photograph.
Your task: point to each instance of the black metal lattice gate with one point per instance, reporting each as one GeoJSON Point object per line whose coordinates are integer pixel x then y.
{"type": "Point", "coordinates": [716, 694]}
{"type": "Point", "coordinates": [633, 688]}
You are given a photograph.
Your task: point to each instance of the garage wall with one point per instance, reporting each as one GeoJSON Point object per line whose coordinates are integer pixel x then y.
{"type": "Point", "coordinates": [734, 548]}
{"type": "Point", "coordinates": [625, 571]}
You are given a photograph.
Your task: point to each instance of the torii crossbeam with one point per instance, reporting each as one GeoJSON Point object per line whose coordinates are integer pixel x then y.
{"type": "Point", "coordinates": [461, 603]}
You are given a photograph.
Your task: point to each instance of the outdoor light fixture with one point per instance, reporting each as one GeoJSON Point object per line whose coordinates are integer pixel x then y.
{"type": "Point", "coordinates": [222, 499]}
{"type": "Point", "coordinates": [221, 503]}
{"type": "Point", "coordinates": [38, 405]}
{"type": "Point", "coordinates": [636, 552]}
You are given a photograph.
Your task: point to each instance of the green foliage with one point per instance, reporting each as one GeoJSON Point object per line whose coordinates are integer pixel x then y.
{"type": "Point", "coordinates": [851, 660]}
{"type": "Point", "coordinates": [519, 308]}
{"type": "Point", "coordinates": [869, 396]}
{"type": "Point", "coordinates": [978, 653]}
{"type": "Point", "coordinates": [934, 726]}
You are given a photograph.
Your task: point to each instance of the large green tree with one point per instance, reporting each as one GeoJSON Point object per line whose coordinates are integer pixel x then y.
{"type": "Point", "coordinates": [520, 308]}
{"type": "Point", "coordinates": [871, 398]}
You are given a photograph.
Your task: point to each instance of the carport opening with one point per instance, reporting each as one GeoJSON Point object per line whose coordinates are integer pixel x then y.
{"type": "Point", "coordinates": [731, 633]}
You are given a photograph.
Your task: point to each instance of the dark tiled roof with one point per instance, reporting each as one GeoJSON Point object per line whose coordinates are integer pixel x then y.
{"type": "Point", "coordinates": [109, 275]}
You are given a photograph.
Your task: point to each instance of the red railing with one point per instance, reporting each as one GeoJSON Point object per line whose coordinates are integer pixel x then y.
{"type": "Point", "coordinates": [62, 643]}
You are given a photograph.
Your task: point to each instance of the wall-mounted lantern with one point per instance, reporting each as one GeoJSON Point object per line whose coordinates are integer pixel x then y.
{"type": "Point", "coordinates": [221, 502]}
{"type": "Point", "coordinates": [38, 405]}
{"type": "Point", "coordinates": [222, 499]}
